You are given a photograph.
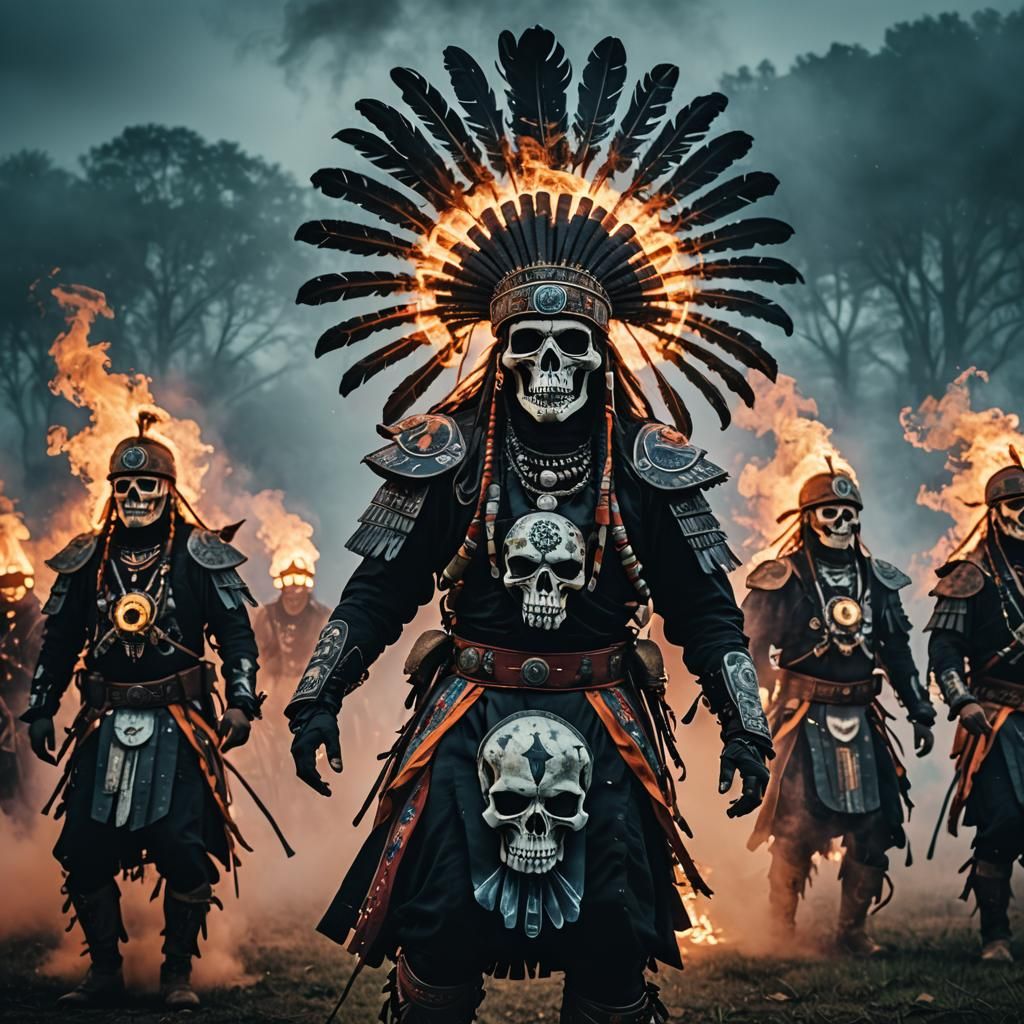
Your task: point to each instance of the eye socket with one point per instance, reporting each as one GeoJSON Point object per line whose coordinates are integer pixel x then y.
{"type": "Point", "coordinates": [122, 485]}
{"type": "Point", "coordinates": [573, 342]}
{"type": "Point", "coordinates": [565, 570]}
{"type": "Point", "coordinates": [525, 340]}
{"type": "Point", "coordinates": [1014, 504]}
{"type": "Point", "coordinates": [830, 512]}
{"type": "Point", "coordinates": [509, 804]}
{"type": "Point", "coordinates": [519, 566]}
{"type": "Point", "coordinates": [147, 484]}
{"type": "Point", "coordinates": [564, 805]}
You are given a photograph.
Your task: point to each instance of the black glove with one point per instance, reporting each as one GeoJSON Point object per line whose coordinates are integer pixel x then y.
{"type": "Point", "coordinates": [924, 739]}
{"type": "Point", "coordinates": [234, 729]}
{"type": "Point", "coordinates": [42, 739]}
{"type": "Point", "coordinates": [740, 754]}
{"type": "Point", "coordinates": [974, 720]}
{"type": "Point", "coordinates": [318, 728]}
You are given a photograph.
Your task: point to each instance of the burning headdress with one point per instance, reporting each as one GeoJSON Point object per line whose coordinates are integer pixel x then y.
{"type": "Point", "coordinates": [501, 214]}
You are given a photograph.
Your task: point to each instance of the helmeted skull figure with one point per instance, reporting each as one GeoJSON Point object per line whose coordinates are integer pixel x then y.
{"type": "Point", "coordinates": [551, 361]}
{"type": "Point", "coordinates": [140, 500]}
{"type": "Point", "coordinates": [836, 525]}
{"type": "Point", "coordinates": [544, 559]}
{"type": "Point", "coordinates": [1010, 516]}
{"type": "Point", "coordinates": [535, 770]}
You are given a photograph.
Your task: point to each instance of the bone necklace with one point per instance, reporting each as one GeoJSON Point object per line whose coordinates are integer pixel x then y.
{"type": "Point", "coordinates": [540, 473]}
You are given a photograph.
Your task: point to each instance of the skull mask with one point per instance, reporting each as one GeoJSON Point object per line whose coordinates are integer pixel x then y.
{"type": "Point", "coordinates": [140, 500]}
{"type": "Point", "coordinates": [544, 559]}
{"type": "Point", "coordinates": [551, 361]}
{"type": "Point", "coordinates": [1009, 516]}
{"type": "Point", "coordinates": [535, 770]}
{"type": "Point", "coordinates": [837, 525]}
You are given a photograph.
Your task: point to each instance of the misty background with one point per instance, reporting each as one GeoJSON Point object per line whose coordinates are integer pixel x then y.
{"type": "Point", "coordinates": [161, 153]}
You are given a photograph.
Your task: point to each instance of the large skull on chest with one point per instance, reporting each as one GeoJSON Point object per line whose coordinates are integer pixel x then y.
{"type": "Point", "coordinates": [544, 561]}
{"type": "Point", "coordinates": [535, 770]}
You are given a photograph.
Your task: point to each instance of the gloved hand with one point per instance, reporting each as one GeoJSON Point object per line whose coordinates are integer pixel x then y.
{"type": "Point", "coordinates": [319, 729]}
{"type": "Point", "coordinates": [234, 729]}
{"type": "Point", "coordinates": [42, 739]}
{"type": "Point", "coordinates": [974, 719]}
{"type": "Point", "coordinates": [924, 738]}
{"type": "Point", "coordinates": [742, 755]}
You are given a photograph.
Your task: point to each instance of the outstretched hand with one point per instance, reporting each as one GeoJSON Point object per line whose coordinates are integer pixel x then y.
{"type": "Point", "coordinates": [234, 729]}
{"type": "Point", "coordinates": [319, 730]}
{"type": "Point", "coordinates": [42, 740]}
{"type": "Point", "coordinates": [974, 719]}
{"type": "Point", "coordinates": [924, 739]}
{"type": "Point", "coordinates": [743, 756]}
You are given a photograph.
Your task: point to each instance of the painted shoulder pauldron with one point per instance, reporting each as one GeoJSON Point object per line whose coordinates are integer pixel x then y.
{"type": "Point", "coordinates": [958, 582]}
{"type": "Point", "coordinates": [221, 559]}
{"type": "Point", "coordinates": [771, 575]}
{"type": "Point", "coordinates": [423, 447]}
{"type": "Point", "coordinates": [72, 557]}
{"type": "Point", "coordinates": [662, 458]}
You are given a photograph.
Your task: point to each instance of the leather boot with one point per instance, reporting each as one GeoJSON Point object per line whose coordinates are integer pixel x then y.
{"type": "Point", "coordinates": [862, 886]}
{"type": "Point", "coordinates": [184, 919]}
{"type": "Point", "coordinates": [412, 1001]}
{"type": "Point", "coordinates": [991, 885]}
{"type": "Point", "coordinates": [99, 914]}
{"type": "Point", "coordinates": [787, 879]}
{"type": "Point", "coordinates": [648, 1009]}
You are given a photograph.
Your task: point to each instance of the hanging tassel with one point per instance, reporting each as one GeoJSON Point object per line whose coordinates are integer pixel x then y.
{"type": "Point", "coordinates": [603, 512]}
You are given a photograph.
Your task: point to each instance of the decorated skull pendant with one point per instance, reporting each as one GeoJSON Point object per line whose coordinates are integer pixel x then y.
{"type": "Point", "coordinates": [545, 555]}
{"type": "Point", "coordinates": [534, 770]}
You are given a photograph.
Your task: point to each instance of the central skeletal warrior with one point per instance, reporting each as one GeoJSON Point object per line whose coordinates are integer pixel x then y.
{"type": "Point", "coordinates": [527, 819]}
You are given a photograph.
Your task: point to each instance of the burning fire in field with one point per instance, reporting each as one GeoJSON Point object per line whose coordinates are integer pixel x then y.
{"type": "Point", "coordinates": [703, 932]}
{"type": "Point", "coordinates": [287, 538]}
{"type": "Point", "coordinates": [16, 573]}
{"type": "Point", "coordinates": [977, 444]}
{"type": "Point", "coordinates": [802, 445]}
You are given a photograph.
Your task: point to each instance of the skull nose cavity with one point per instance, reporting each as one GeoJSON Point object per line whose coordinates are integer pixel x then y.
{"type": "Point", "coordinates": [544, 583]}
{"type": "Point", "coordinates": [536, 825]}
{"type": "Point", "coordinates": [549, 361]}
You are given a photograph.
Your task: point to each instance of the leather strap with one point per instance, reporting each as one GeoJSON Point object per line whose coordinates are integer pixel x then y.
{"type": "Point", "coordinates": [180, 688]}
{"type": "Point", "coordinates": [825, 691]}
{"type": "Point", "coordinates": [573, 670]}
{"type": "Point", "coordinates": [990, 690]}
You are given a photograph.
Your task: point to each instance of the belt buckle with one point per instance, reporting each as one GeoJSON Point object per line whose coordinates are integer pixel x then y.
{"type": "Point", "coordinates": [136, 696]}
{"type": "Point", "coordinates": [534, 672]}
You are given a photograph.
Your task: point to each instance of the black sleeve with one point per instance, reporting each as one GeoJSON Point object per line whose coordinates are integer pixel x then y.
{"type": "Point", "coordinates": [233, 638]}
{"type": "Point", "coordinates": [898, 661]}
{"type": "Point", "coordinates": [765, 614]}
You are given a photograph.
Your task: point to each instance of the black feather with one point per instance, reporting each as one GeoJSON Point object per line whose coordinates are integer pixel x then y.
{"type": "Point", "coordinates": [740, 235]}
{"type": "Point", "coordinates": [676, 138]}
{"type": "Point", "coordinates": [732, 195]}
{"type": "Point", "coordinates": [358, 327]}
{"type": "Point", "coordinates": [703, 166]}
{"type": "Point", "coordinates": [443, 123]}
{"type": "Point", "coordinates": [369, 366]}
{"type": "Point", "coordinates": [373, 196]}
{"type": "Point", "coordinates": [356, 284]}
{"type": "Point", "coordinates": [746, 304]}
{"type": "Point", "coordinates": [734, 341]}
{"type": "Point", "coordinates": [673, 402]}
{"type": "Point", "coordinates": [747, 268]}
{"type": "Point", "coordinates": [360, 239]}
{"type": "Point", "coordinates": [417, 383]}
{"type": "Point", "coordinates": [480, 106]}
{"type": "Point", "coordinates": [734, 380]}
{"type": "Point", "coordinates": [600, 88]}
{"type": "Point", "coordinates": [647, 107]}
{"type": "Point", "coordinates": [537, 73]}
{"type": "Point", "coordinates": [711, 394]}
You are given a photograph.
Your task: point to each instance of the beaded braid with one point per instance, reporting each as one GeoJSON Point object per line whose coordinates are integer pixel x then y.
{"type": "Point", "coordinates": [603, 511]}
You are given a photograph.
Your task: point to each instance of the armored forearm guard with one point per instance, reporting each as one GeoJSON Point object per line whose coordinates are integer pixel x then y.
{"type": "Point", "coordinates": [916, 700]}
{"type": "Point", "coordinates": [241, 688]}
{"type": "Point", "coordinates": [953, 688]}
{"type": "Point", "coordinates": [44, 696]}
{"type": "Point", "coordinates": [733, 694]}
{"type": "Point", "coordinates": [334, 671]}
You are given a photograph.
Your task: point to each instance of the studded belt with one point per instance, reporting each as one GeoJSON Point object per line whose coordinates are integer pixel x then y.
{"type": "Point", "coordinates": [999, 691]}
{"type": "Point", "coordinates": [567, 670]}
{"type": "Point", "coordinates": [825, 691]}
{"type": "Point", "coordinates": [158, 693]}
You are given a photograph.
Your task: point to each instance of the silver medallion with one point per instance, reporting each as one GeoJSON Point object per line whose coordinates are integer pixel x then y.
{"type": "Point", "coordinates": [547, 502]}
{"type": "Point", "coordinates": [548, 478]}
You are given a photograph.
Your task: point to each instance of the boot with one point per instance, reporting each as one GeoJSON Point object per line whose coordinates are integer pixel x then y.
{"type": "Point", "coordinates": [862, 886]}
{"type": "Point", "coordinates": [648, 1009]}
{"type": "Point", "coordinates": [184, 919]}
{"type": "Point", "coordinates": [787, 879]}
{"type": "Point", "coordinates": [413, 1001]}
{"type": "Point", "coordinates": [99, 914]}
{"type": "Point", "coordinates": [991, 885]}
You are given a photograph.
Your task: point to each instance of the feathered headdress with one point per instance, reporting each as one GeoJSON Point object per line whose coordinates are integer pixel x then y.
{"type": "Point", "coordinates": [501, 213]}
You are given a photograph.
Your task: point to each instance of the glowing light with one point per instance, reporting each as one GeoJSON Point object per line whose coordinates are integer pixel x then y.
{"type": "Point", "coordinates": [14, 561]}
{"type": "Point", "coordinates": [287, 538]}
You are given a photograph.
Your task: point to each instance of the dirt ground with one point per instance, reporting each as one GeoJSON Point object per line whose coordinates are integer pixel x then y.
{"type": "Point", "coordinates": [931, 974]}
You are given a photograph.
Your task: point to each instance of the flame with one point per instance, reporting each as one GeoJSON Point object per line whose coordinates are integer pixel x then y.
{"type": "Point", "coordinates": [802, 443]}
{"type": "Point", "coordinates": [977, 444]}
{"type": "Point", "coordinates": [702, 931]}
{"type": "Point", "coordinates": [287, 538]}
{"type": "Point", "coordinates": [13, 558]}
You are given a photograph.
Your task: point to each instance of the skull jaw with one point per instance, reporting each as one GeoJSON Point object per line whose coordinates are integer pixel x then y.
{"type": "Point", "coordinates": [549, 401]}
{"type": "Point", "coordinates": [834, 540]}
{"type": "Point", "coordinates": [528, 854]}
{"type": "Point", "coordinates": [544, 614]}
{"type": "Point", "coordinates": [136, 514]}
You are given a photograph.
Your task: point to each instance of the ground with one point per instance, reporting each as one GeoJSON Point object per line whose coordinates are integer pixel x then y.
{"type": "Point", "coordinates": [931, 975]}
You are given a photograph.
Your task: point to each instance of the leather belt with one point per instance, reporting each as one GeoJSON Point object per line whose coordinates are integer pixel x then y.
{"type": "Point", "coordinates": [179, 688]}
{"type": "Point", "coordinates": [825, 691]}
{"type": "Point", "coordinates": [567, 670]}
{"type": "Point", "coordinates": [998, 691]}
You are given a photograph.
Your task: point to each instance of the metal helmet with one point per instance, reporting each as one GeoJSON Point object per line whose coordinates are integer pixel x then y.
{"type": "Point", "coordinates": [142, 455]}
{"type": "Point", "coordinates": [1007, 482]}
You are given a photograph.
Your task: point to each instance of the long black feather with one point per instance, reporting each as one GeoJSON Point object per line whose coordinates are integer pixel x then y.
{"type": "Point", "coordinates": [747, 268]}
{"type": "Point", "coordinates": [703, 166]}
{"type": "Point", "coordinates": [734, 341]}
{"type": "Point", "coordinates": [537, 71]}
{"type": "Point", "coordinates": [373, 196]}
{"type": "Point", "coordinates": [417, 383]}
{"type": "Point", "coordinates": [361, 239]}
{"type": "Point", "coordinates": [734, 380]}
{"type": "Point", "coordinates": [600, 88]}
{"type": "Point", "coordinates": [673, 402]}
{"type": "Point", "coordinates": [740, 235]}
{"type": "Point", "coordinates": [732, 195]}
{"type": "Point", "coordinates": [369, 366]}
{"type": "Point", "coordinates": [443, 123]}
{"type": "Point", "coordinates": [745, 303]}
{"type": "Point", "coordinates": [356, 284]}
{"type": "Point", "coordinates": [676, 138]}
{"type": "Point", "coordinates": [711, 394]}
{"type": "Point", "coordinates": [358, 327]}
{"type": "Point", "coordinates": [650, 98]}
{"type": "Point", "coordinates": [480, 106]}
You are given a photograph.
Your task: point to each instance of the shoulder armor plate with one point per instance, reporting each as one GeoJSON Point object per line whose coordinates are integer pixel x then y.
{"type": "Point", "coordinates": [422, 446]}
{"type": "Point", "coordinates": [663, 459]}
{"type": "Point", "coordinates": [212, 552]}
{"type": "Point", "coordinates": [888, 575]}
{"type": "Point", "coordinates": [959, 580]}
{"type": "Point", "coordinates": [771, 575]}
{"type": "Point", "coordinates": [387, 523]}
{"type": "Point", "coordinates": [75, 554]}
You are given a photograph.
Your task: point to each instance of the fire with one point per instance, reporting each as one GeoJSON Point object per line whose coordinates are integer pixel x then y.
{"type": "Point", "coordinates": [702, 931]}
{"type": "Point", "coordinates": [14, 562]}
{"type": "Point", "coordinates": [287, 538]}
{"type": "Point", "coordinates": [802, 444]}
{"type": "Point", "coordinates": [977, 444]}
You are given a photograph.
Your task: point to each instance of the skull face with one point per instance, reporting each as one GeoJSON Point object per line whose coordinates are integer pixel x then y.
{"type": "Point", "coordinates": [551, 360]}
{"type": "Point", "coordinates": [1009, 516]}
{"type": "Point", "coordinates": [544, 560]}
{"type": "Point", "coordinates": [836, 525]}
{"type": "Point", "coordinates": [535, 770]}
{"type": "Point", "coordinates": [140, 500]}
